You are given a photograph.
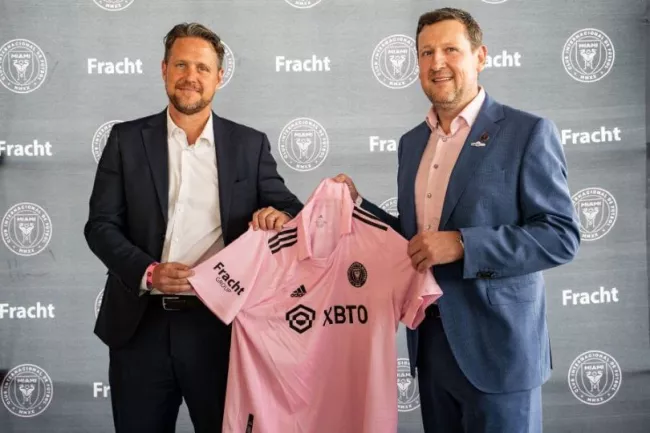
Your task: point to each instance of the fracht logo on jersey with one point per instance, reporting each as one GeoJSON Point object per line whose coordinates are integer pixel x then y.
{"type": "Point", "coordinates": [224, 280]}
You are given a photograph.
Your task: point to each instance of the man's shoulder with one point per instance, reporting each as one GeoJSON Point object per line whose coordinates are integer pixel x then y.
{"type": "Point", "coordinates": [513, 114]}
{"type": "Point", "coordinates": [242, 130]}
{"type": "Point", "coordinates": [139, 122]}
{"type": "Point", "coordinates": [522, 119]}
{"type": "Point", "coordinates": [416, 131]}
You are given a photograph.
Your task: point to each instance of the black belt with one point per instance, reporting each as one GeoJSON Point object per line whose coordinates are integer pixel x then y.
{"type": "Point", "coordinates": [175, 303]}
{"type": "Point", "coordinates": [433, 311]}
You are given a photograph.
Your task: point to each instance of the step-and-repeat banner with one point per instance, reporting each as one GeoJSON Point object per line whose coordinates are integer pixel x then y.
{"type": "Point", "coordinates": [344, 72]}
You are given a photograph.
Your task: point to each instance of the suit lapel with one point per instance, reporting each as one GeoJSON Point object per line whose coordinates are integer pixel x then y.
{"type": "Point", "coordinates": [470, 156]}
{"type": "Point", "coordinates": [154, 136]}
{"type": "Point", "coordinates": [226, 167]}
{"type": "Point", "coordinates": [413, 156]}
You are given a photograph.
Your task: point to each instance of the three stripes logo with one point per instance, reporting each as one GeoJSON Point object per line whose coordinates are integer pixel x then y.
{"type": "Point", "coordinates": [368, 218]}
{"type": "Point", "coordinates": [284, 239]}
{"type": "Point", "coordinates": [299, 292]}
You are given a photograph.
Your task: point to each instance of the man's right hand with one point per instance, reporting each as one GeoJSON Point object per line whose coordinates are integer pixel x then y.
{"type": "Point", "coordinates": [343, 178]}
{"type": "Point", "coordinates": [171, 278]}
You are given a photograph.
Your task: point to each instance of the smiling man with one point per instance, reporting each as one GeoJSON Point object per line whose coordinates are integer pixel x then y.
{"type": "Point", "coordinates": [483, 198]}
{"type": "Point", "coordinates": [170, 191]}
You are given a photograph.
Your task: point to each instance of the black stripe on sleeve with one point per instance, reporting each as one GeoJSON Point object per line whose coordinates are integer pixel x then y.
{"type": "Point", "coordinates": [283, 246]}
{"type": "Point", "coordinates": [365, 213]}
{"type": "Point", "coordinates": [283, 232]}
{"type": "Point", "coordinates": [371, 223]}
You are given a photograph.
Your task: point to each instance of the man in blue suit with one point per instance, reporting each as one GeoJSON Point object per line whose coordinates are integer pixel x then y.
{"type": "Point", "coordinates": [483, 198]}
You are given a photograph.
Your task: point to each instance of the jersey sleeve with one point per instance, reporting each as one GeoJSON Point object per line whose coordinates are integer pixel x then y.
{"type": "Point", "coordinates": [234, 277]}
{"type": "Point", "coordinates": [413, 291]}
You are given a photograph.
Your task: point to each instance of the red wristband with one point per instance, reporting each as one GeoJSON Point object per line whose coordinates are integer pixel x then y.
{"type": "Point", "coordinates": [150, 269]}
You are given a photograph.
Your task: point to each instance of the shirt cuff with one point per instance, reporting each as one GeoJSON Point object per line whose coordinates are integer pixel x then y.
{"type": "Point", "coordinates": [145, 283]}
{"type": "Point", "coordinates": [358, 201]}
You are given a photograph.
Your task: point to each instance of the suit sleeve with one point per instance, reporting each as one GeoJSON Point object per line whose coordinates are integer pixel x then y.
{"type": "Point", "coordinates": [272, 189]}
{"type": "Point", "coordinates": [104, 230]}
{"type": "Point", "coordinates": [548, 234]}
{"type": "Point", "coordinates": [236, 276]}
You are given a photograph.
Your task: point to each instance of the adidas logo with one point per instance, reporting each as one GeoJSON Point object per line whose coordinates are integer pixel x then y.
{"type": "Point", "coordinates": [299, 292]}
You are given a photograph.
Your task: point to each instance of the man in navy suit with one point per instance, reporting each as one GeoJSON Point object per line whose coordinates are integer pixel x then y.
{"type": "Point", "coordinates": [483, 198]}
{"type": "Point", "coordinates": [171, 190]}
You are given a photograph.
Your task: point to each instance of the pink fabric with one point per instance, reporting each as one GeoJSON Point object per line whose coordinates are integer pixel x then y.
{"type": "Point", "coordinates": [438, 161]}
{"type": "Point", "coordinates": [315, 309]}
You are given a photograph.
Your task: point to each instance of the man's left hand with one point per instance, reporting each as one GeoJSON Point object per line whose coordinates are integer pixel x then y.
{"type": "Point", "coordinates": [434, 248]}
{"type": "Point", "coordinates": [269, 218]}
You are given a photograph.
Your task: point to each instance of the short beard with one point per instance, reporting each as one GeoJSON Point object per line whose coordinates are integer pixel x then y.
{"type": "Point", "coordinates": [190, 109]}
{"type": "Point", "coordinates": [447, 104]}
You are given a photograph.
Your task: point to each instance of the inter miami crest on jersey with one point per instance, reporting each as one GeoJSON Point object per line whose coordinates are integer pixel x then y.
{"type": "Point", "coordinates": [357, 274]}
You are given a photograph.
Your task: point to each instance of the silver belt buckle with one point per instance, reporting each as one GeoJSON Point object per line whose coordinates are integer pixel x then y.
{"type": "Point", "coordinates": [164, 303]}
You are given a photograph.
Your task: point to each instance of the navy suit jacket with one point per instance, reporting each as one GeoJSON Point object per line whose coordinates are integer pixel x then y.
{"type": "Point", "coordinates": [511, 203]}
{"type": "Point", "coordinates": [129, 201]}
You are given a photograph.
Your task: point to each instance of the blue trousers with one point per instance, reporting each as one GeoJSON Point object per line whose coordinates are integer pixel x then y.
{"type": "Point", "coordinates": [451, 404]}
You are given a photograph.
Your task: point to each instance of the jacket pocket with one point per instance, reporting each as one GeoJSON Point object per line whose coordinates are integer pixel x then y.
{"type": "Point", "coordinates": [513, 290]}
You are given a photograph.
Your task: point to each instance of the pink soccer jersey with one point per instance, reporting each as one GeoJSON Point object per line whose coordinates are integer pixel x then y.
{"type": "Point", "coordinates": [315, 309]}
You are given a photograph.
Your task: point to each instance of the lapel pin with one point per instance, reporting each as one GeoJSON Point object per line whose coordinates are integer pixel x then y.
{"type": "Point", "coordinates": [481, 141]}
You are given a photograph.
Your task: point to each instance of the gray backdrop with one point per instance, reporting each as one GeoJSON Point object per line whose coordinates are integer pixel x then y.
{"type": "Point", "coordinates": [580, 63]}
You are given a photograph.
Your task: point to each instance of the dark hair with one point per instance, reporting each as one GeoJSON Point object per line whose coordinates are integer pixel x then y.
{"type": "Point", "coordinates": [193, 30]}
{"type": "Point", "coordinates": [474, 32]}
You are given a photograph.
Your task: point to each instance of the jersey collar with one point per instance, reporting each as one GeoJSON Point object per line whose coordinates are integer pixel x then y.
{"type": "Point", "coordinates": [329, 190]}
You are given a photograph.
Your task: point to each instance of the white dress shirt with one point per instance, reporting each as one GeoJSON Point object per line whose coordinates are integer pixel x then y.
{"type": "Point", "coordinates": [194, 220]}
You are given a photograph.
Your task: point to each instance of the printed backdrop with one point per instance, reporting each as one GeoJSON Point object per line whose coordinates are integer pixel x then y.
{"type": "Point", "coordinates": [334, 85]}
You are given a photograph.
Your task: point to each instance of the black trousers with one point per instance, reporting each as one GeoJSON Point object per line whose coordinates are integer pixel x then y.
{"type": "Point", "coordinates": [174, 355]}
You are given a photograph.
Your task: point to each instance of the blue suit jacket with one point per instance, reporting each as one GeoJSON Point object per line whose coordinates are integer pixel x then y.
{"type": "Point", "coordinates": [511, 202]}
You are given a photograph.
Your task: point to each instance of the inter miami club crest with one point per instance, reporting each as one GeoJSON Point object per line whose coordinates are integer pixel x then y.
{"type": "Point", "coordinates": [395, 62]}
{"type": "Point", "coordinates": [23, 66]}
{"type": "Point", "coordinates": [101, 137]}
{"type": "Point", "coordinates": [408, 394]}
{"type": "Point", "coordinates": [303, 4]}
{"type": "Point", "coordinates": [588, 55]}
{"type": "Point", "coordinates": [26, 391]}
{"type": "Point", "coordinates": [113, 5]}
{"type": "Point", "coordinates": [303, 144]}
{"type": "Point", "coordinates": [594, 377]}
{"type": "Point", "coordinates": [597, 211]}
{"type": "Point", "coordinates": [357, 274]}
{"type": "Point", "coordinates": [390, 206]}
{"type": "Point", "coordinates": [26, 229]}
{"type": "Point", "coordinates": [228, 65]}
{"type": "Point", "coordinates": [98, 302]}
{"type": "Point", "coordinates": [300, 318]}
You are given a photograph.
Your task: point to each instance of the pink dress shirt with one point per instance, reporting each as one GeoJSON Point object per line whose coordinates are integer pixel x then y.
{"type": "Point", "coordinates": [438, 161]}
